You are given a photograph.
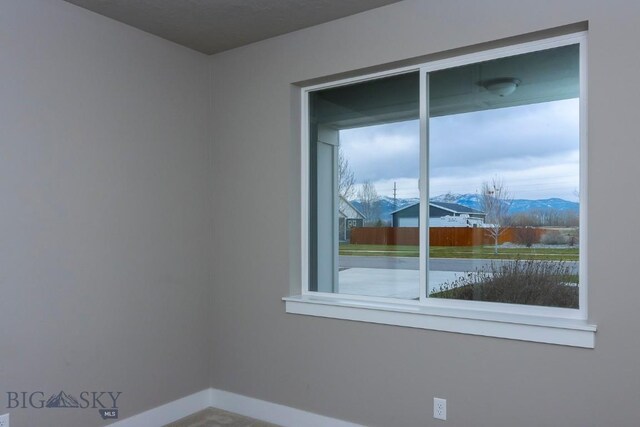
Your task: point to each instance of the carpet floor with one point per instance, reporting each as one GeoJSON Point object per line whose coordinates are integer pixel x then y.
{"type": "Point", "coordinates": [212, 417]}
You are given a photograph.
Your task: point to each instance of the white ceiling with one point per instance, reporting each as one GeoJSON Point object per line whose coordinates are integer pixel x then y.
{"type": "Point", "coordinates": [211, 26]}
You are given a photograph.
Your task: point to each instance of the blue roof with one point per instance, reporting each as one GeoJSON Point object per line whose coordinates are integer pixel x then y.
{"type": "Point", "coordinates": [453, 207]}
{"type": "Point", "coordinates": [406, 207]}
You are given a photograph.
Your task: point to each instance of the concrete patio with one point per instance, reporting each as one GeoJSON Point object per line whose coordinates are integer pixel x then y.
{"type": "Point", "coordinates": [394, 283]}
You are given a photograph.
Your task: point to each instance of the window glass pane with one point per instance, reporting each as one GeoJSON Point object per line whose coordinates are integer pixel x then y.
{"type": "Point", "coordinates": [364, 163]}
{"type": "Point", "coordinates": [504, 153]}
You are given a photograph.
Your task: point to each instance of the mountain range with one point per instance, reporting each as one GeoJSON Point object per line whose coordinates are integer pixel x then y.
{"type": "Point", "coordinates": [387, 204]}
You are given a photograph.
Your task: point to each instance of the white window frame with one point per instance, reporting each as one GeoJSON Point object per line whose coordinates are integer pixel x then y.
{"type": "Point", "coordinates": [552, 325]}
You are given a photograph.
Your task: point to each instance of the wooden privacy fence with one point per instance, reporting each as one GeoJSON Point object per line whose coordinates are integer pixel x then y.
{"type": "Point", "coordinates": [385, 236]}
{"type": "Point", "coordinates": [440, 236]}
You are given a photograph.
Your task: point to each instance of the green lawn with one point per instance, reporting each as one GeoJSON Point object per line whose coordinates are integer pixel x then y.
{"type": "Point", "coordinates": [484, 252]}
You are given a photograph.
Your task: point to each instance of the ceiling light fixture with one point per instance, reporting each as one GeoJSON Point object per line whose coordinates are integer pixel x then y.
{"type": "Point", "coordinates": [502, 86]}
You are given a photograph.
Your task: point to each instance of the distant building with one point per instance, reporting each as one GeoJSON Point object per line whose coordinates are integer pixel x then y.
{"type": "Point", "coordinates": [348, 217]}
{"type": "Point", "coordinates": [440, 215]}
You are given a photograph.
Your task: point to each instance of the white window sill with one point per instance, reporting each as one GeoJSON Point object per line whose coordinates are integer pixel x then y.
{"type": "Point", "coordinates": [550, 330]}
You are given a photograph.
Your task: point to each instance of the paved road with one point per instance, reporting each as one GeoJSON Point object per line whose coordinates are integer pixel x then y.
{"type": "Point", "coordinates": [411, 263]}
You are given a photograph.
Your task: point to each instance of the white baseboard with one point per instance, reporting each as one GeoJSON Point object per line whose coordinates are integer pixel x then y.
{"type": "Point", "coordinates": [169, 412]}
{"type": "Point", "coordinates": [272, 412]}
{"type": "Point", "coordinates": [232, 402]}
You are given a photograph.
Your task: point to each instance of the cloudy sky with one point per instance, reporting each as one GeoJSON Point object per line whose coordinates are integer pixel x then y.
{"type": "Point", "coordinates": [534, 149]}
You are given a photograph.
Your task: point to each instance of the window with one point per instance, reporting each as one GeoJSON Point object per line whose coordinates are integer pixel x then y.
{"type": "Point", "coordinates": [450, 195]}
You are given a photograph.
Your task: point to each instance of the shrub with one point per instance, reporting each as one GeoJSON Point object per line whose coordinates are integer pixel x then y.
{"type": "Point", "coordinates": [546, 283]}
{"type": "Point", "coordinates": [554, 237]}
{"type": "Point", "coordinates": [573, 237]}
{"type": "Point", "coordinates": [526, 236]}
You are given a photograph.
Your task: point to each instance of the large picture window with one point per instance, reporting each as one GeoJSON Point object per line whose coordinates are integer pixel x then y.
{"type": "Point", "coordinates": [456, 184]}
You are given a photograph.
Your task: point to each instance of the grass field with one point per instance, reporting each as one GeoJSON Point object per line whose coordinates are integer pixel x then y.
{"type": "Point", "coordinates": [484, 252]}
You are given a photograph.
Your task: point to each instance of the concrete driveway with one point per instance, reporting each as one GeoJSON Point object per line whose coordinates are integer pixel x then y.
{"type": "Point", "coordinates": [437, 264]}
{"type": "Point", "coordinates": [399, 277]}
{"type": "Point", "coordinates": [391, 283]}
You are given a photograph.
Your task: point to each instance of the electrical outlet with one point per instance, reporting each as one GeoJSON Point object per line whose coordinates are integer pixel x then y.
{"type": "Point", "coordinates": [4, 420]}
{"type": "Point", "coordinates": [439, 408]}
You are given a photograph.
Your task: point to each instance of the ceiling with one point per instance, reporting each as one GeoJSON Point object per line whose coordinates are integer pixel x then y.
{"type": "Point", "coordinates": [544, 76]}
{"type": "Point", "coordinates": [212, 26]}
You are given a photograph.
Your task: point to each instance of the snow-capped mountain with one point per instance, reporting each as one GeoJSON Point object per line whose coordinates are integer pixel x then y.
{"type": "Point", "coordinates": [517, 205]}
{"type": "Point", "coordinates": [387, 204]}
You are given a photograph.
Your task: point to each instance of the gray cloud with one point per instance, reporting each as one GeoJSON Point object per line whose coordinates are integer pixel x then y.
{"type": "Point", "coordinates": [387, 151]}
{"type": "Point", "coordinates": [507, 137]}
{"type": "Point", "coordinates": [535, 147]}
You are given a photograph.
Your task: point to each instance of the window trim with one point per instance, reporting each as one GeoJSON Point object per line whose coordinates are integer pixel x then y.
{"type": "Point", "coordinates": [549, 330]}
{"type": "Point", "coordinates": [562, 325]}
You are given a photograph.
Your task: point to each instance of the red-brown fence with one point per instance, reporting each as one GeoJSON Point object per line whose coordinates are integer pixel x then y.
{"type": "Point", "coordinates": [385, 236]}
{"type": "Point", "coordinates": [441, 236]}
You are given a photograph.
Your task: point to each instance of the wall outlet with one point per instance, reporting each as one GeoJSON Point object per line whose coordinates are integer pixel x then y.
{"type": "Point", "coordinates": [439, 408]}
{"type": "Point", "coordinates": [4, 420]}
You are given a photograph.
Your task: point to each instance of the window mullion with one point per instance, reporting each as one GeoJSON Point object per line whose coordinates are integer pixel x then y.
{"type": "Point", "coordinates": [424, 185]}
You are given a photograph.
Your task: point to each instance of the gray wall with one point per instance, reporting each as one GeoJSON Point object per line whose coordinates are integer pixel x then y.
{"type": "Point", "coordinates": [383, 375]}
{"type": "Point", "coordinates": [105, 213]}
{"type": "Point", "coordinates": [108, 266]}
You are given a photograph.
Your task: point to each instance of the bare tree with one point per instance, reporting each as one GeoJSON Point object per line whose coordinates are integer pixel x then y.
{"type": "Point", "coordinates": [346, 177]}
{"type": "Point", "coordinates": [495, 200]}
{"type": "Point", "coordinates": [370, 203]}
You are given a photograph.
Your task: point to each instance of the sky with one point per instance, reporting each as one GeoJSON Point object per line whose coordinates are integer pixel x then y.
{"type": "Point", "coordinates": [533, 149]}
